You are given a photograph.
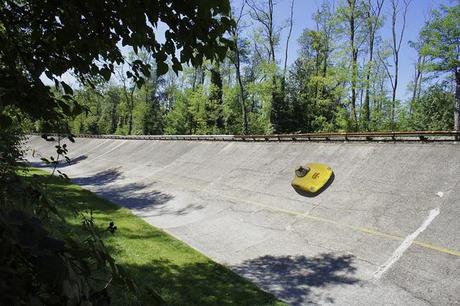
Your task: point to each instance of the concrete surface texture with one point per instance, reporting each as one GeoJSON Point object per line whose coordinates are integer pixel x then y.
{"type": "Point", "coordinates": [385, 232]}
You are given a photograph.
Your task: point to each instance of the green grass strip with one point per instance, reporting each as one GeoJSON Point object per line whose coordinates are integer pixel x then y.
{"type": "Point", "coordinates": [153, 258]}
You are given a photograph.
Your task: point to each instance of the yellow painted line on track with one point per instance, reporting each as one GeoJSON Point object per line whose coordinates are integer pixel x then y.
{"type": "Point", "coordinates": [303, 215]}
{"type": "Point", "coordinates": [437, 248]}
{"type": "Point", "coordinates": [356, 228]}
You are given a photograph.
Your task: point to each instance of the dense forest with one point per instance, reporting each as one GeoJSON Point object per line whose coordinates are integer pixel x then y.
{"type": "Point", "coordinates": [345, 78]}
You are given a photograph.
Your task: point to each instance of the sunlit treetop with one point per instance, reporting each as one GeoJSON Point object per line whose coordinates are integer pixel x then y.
{"type": "Point", "coordinates": [442, 40]}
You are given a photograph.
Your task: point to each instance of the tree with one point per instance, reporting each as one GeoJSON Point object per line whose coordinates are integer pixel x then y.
{"type": "Point", "coordinates": [215, 103]}
{"type": "Point", "coordinates": [236, 59]}
{"type": "Point", "coordinates": [418, 74]}
{"type": "Point", "coordinates": [110, 115]}
{"type": "Point", "coordinates": [178, 119]}
{"type": "Point", "coordinates": [128, 89]}
{"type": "Point", "coordinates": [91, 99]}
{"type": "Point", "coordinates": [442, 48]}
{"type": "Point", "coordinates": [286, 50]}
{"type": "Point", "coordinates": [300, 95]}
{"type": "Point", "coordinates": [395, 46]}
{"type": "Point", "coordinates": [263, 13]}
{"type": "Point", "coordinates": [153, 118]}
{"type": "Point", "coordinates": [434, 110]}
{"type": "Point", "coordinates": [354, 54]}
{"type": "Point", "coordinates": [373, 20]}
{"type": "Point", "coordinates": [313, 81]}
{"type": "Point", "coordinates": [352, 13]}
{"type": "Point", "coordinates": [42, 38]}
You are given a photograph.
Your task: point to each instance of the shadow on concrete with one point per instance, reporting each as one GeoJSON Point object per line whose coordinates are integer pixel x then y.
{"type": "Point", "coordinates": [61, 163]}
{"type": "Point", "coordinates": [312, 195]}
{"type": "Point", "coordinates": [135, 196]}
{"type": "Point", "coordinates": [99, 179]}
{"type": "Point", "coordinates": [293, 278]}
{"type": "Point", "coordinates": [138, 196]}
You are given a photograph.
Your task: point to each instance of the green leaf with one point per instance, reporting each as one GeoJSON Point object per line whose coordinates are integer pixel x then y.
{"type": "Point", "coordinates": [71, 138]}
{"type": "Point", "coordinates": [176, 66]}
{"type": "Point", "coordinates": [65, 108]}
{"type": "Point", "coordinates": [67, 89]}
{"type": "Point", "coordinates": [106, 73]}
{"type": "Point", "coordinates": [49, 75]}
{"type": "Point", "coordinates": [162, 68]}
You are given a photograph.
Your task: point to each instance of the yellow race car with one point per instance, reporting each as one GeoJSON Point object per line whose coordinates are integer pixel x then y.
{"type": "Point", "coordinates": [312, 179]}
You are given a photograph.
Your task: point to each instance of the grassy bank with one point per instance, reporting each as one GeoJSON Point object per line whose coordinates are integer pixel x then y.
{"type": "Point", "coordinates": [153, 258]}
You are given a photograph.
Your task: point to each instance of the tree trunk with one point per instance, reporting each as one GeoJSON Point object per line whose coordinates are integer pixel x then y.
{"type": "Point", "coordinates": [393, 96]}
{"type": "Point", "coordinates": [131, 109]}
{"type": "Point", "coordinates": [271, 30]}
{"type": "Point", "coordinates": [366, 107]}
{"type": "Point", "coordinates": [237, 64]}
{"type": "Point", "coordinates": [373, 25]}
{"type": "Point", "coordinates": [130, 123]}
{"type": "Point", "coordinates": [114, 117]}
{"type": "Point", "coordinates": [241, 99]}
{"type": "Point", "coordinates": [354, 60]}
{"type": "Point", "coordinates": [396, 48]}
{"type": "Point", "coordinates": [457, 102]}
{"type": "Point", "coordinates": [288, 38]}
{"type": "Point", "coordinates": [419, 87]}
{"type": "Point", "coordinates": [417, 82]}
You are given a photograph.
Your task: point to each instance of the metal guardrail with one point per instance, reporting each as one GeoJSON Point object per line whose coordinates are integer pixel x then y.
{"type": "Point", "coordinates": [360, 136]}
{"type": "Point", "coordinates": [417, 136]}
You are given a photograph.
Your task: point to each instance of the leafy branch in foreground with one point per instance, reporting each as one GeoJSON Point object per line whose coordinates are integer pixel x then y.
{"type": "Point", "coordinates": [41, 260]}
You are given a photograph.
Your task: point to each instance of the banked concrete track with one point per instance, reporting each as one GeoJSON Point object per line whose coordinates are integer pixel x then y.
{"type": "Point", "coordinates": [386, 232]}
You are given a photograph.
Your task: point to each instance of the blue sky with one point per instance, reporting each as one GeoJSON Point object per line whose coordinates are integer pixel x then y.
{"type": "Point", "coordinates": [304, 10]}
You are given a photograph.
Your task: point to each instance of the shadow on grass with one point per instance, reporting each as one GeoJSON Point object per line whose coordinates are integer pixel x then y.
{"type": "Point", "coordinates": [199, 283]}
{"type": "Point", "coordinates": [293, 279]}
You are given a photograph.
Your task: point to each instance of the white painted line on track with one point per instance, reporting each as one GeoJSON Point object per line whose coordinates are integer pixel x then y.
{"type": "Point", "coordinates": [405, 244]}
{"type": "Point", "coordinates": [109, 151]}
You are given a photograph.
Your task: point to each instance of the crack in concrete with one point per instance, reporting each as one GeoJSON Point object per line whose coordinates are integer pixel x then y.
{"type": "Point", "coordinates": [413, 294]}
